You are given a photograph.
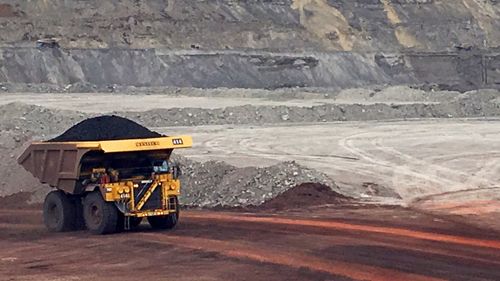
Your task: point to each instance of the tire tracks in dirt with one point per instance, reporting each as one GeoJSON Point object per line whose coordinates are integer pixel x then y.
{"type": "Point", "coordinates": [348, 144]}
{"type": "Point", "coordinates": [457, 178]}
{"type": "Point", "coordinates": [343, 238]}
{"type": "Point", "coordinates": [254, 249]}
{"type": "Point", "coordinates": [335, 225]}
{"type": "Point", "coordinates": [291, 259]}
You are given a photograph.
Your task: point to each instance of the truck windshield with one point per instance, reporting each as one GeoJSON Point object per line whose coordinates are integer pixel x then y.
{"type": "Point", "coordinates": [160, 166]}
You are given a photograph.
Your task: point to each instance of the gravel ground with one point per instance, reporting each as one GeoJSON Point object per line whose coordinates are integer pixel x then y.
{"type": "Point", "coordinates": [45, 122]}
{"type": "Point", "coordinates": [217, 183]}
{"type": "Point", "coordinates": [204, 184]}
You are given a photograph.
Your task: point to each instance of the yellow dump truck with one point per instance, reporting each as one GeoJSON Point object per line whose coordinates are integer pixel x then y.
{"type": "Point", "coordinates": [109, 185]}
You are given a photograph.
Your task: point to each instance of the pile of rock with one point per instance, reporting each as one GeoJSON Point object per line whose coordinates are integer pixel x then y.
{"type": "Point", "coordinates": [43, 121]}
{"type": "Point", "coordinates": [206, 184]}
{"type": "Point", "coordinates": [25, 119]}
{"type": "Point", "coordinates": [215, 183]}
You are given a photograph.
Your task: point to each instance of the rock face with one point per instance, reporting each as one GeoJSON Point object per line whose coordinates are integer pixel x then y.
{"type": "Point", "coordinates": [211, 69]}
{"type": "Point", "coordinates": [343, 25]}
{"type": "Point", "coordinates": [295, 43]}
{"type": "Point", "coordinates": [186, 69]}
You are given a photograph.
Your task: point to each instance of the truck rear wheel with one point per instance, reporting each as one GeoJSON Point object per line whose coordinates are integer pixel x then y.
{"type": "Point", "coordinates": [101, 217]}
{"type": "Point", "coordinates": [59, 212]}
{"type": "Point", "coordinates": [165, 222]}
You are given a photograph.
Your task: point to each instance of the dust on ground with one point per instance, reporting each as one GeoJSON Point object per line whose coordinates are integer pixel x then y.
{"type": "Point", "coordinates": [340, 242]}
{"type": "Point", "coordinates": [391, 162]}
{"type": "Point", "coordinates": [252, 148]}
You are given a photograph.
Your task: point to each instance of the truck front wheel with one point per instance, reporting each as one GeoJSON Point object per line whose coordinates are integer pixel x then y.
{"type": "Point", "coordinates": [101, 217]}
{"type": "Point", "coordinates": [59, 212]}
{"type": "Point", "coordinates": [166, 222]}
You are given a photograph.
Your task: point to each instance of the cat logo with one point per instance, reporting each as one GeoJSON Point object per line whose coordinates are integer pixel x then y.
{"type": "Point", "coordinates": [177, 141]}
{"type": "Point", "coordinates": [147, 143]}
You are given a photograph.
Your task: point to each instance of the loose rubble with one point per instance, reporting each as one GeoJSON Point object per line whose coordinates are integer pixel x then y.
{"type": "Point", "coordinates": [207, 184]}
{"type": "Point", "coordinates": [42, 121]}
{"type": "Point", "coordinates": [214, 183]}
{"type": "Point", "coordinates": [305, 195]}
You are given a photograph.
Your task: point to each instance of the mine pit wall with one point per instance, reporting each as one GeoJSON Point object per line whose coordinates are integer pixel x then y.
{"type": "Point", "coordinates": [298, 25]}
{"type": "Point", "coordinates": [210, 69]}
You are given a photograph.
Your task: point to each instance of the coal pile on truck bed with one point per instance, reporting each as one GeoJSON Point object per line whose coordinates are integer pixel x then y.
{"type": "Point", "coordinates": [107, 127]}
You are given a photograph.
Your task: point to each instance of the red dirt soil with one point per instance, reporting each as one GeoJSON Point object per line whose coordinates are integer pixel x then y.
{"type": "Point", "coordinates": [16, 201]}
{"type": "Point", "coordinates": [304, 195]}
{"type": "Point", "coordinates": [339, 242]}
{"type": "Point", "coordinates": [6, 10]}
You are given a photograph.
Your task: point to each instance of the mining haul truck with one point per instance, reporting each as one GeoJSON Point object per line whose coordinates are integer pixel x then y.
{"type": "Point", "coordinates": [108, 186]}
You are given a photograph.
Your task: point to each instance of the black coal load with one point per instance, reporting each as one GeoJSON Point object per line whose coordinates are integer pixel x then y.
{"type": "Point", "coordinates": [107, 127]}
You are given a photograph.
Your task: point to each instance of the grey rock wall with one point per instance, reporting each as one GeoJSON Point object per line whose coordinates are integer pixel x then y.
{"type": "Point", "coordinates": [250, 69]}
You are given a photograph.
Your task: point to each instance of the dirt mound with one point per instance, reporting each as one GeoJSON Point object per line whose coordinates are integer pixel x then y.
{"type": "Point", "coordinates": [108, 127]}
{"type": "Point", "coordinates": [39, 121]}
{"type": "Point", "coordinates": [214, 183]}
{"type": "Point", "coordinates": [394, 94]}
{"type": "Point", "coordinates": [42, 121]}
{"type": "Point", "coordinates": [16, 201]}
{"type": "Point", "coordinates": [6, 10]}
{"type": "Point", "coordinates": [305, 195]}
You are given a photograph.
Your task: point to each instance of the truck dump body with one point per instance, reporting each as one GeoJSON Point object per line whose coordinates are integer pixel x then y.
{"type": "Point", "coordinates": [62, 164]}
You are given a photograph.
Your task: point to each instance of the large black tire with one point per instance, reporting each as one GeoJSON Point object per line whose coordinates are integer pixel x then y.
{"type": "Point", "coordinates": [165, 222]}
{"type": "Point", "coordinates": [101, 217]}
{"type": "Point", "coordinates": [59, 212]}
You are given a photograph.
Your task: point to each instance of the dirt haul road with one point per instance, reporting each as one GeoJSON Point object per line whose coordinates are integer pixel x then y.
{"type": "Point", "coordinates": [451, 163]}
{"type": "Point", "coordinates": [334, 243]}
{"type": "Point", "coordinates": [412, 158]}
{"type": "Point", "coordinates": [444, 166]}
